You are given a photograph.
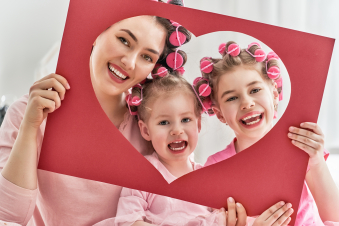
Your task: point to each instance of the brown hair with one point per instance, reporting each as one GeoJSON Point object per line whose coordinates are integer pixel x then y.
{"type": "Point", "coordinates": [153, 88]}
{"type": "Point", "coordinates": [169, 48]}
{"type": "Point", "coordinates": [228, 63]}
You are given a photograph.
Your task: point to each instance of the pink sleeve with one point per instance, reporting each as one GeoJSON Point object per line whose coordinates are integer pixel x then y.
{"type": "Point", "coordinates": [331, 223]}
{"type": "Point", "coordinates": [16, 204]}
{"type": "Point", "coordinates": [210, 161]}
{"type": "Point", "coordinates": [131, 208]}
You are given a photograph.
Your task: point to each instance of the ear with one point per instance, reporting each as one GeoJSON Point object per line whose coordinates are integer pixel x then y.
{"type": "Point", "coordinates": [275, 94]}
{"type": "Point", "coordinates": [144, 130]}
{"type": "Point", "coordinates": [219, 114]}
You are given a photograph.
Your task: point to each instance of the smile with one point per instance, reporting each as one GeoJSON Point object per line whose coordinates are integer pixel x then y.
{"type": "Point", "coordinates": [177, 145]}
{"type": "Point", "coordinates": [116, 73]}
{"type": "Point", "coordinates": [252, 119]}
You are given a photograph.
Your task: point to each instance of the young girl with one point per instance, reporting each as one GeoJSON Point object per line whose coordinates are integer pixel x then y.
{"type": "Point", "coordinates": [170, 117]}
{"type": "Point", "coordinates": [245, 97]}
{"type": "Point", "coordinates": [122, 56]}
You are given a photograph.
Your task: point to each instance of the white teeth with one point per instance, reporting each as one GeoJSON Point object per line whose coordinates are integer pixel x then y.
{"type": "Point", "coordinates": [177, 149]}
{"type": "Point", "coordinates": [251, 123]}
{"type": "Point", "coordinates": [252, 116]}
{"type": "Point", "coordinates": [116, 72]}
{"type": "Point", "coordinates": [177, 142]}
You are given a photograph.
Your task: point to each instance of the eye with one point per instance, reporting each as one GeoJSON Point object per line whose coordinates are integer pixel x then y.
{"type": "Point", "coordinates": [255, 90]}
{"type": "Point", "coordinates": [185, 120]}
{"type": "Point", "coordinates": [163, 123]}
{"type": "Point", "coordinates": [123, 41]}
{"type": "Point", "coordinates": [231, 99]}
{"type": "Point", "coordinates": [148, 58]}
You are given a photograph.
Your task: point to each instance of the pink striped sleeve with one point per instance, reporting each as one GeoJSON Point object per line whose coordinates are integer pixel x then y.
{"type": "Point", "coordinates": [16, 204]}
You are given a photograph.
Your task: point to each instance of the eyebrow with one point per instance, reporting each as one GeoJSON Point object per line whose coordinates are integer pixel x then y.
{"type": "Point", "coordinates": [136, 40]}
{"type": "Point", "coordinates": [231, 91]}
{"type": "Point", "coordinates": [130, 34]}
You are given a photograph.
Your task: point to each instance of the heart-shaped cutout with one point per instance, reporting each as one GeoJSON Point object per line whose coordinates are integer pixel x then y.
{"type": "Point", "coordinates": [214, 135]}
{"type": "Point", "coordinates": [259, 177]}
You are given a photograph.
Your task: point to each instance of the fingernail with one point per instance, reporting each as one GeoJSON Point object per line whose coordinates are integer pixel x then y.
{"type": "Point", "coordinates": [292, 210]}
{"type": "Point", "coordinates": [291, 128]}
{"type": "Point", "coordinates": [230, 199]}
{"type": "Point", "coordinates": [68, 86]}
{"type": "Point", "coordinates": [282, 203]}
{"type": "Point", "coordinates": [302, 124]}
{"type": "Point", "coordinates": [238, 204]}
{"type": "Point", "coordinates": [289, 134]}
{"type": "Point", "coordinates": [289, 205]}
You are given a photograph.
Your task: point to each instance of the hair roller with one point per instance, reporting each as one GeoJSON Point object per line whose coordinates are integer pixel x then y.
{"type": "Point", "coordinates": [272, 55]}
{"type": "Point", "coordinates": [233, 50]}
{"type": "Point", "coordinates": [181, 70]}
{"type": "Point", "coordinates": [161, 72]}
{"type": "Point", "coordinates": [279, 87]}
{"type": "Point", "coordinates": [259, 54]}
{"type": "Point", "coordinates": [222, 48]}
{"type": "Point", "coordinates": [206, 66]}
{"type": "Point", "coordinates": [174, 60]}
{"type": "Point", "coordinates": [177, 38]}
{"type": "Point", "coordinates": [273, 72]}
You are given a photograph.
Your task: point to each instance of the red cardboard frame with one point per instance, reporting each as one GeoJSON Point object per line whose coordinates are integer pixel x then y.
{"type": "Point", "coordinates": [81, 141]}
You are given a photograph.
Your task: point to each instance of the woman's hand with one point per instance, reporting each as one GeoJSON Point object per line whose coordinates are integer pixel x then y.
{"type": "Point", "coordinates": [235, 214]}
{"type": "Point", "coordinates": [45, 96]}
{"type": "Point", "coordinates": [277, 215]}
{"type": "Point", "coordinates": [310, 139]}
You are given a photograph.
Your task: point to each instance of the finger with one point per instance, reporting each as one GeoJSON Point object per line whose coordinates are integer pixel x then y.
{"type": "Point", "coordinates": [46, 105]}
{"type": "Point", "coordinates": [286, 222]}
{"type": "Point", "coordinates": [60, 78]}
{"type": "Point", "coordinates": [280, 215]}
{"type": "Point", "coordinates": [48, 84]}
{"type": "Point", "coordinates": [283, 218]}
{"type": "Point", "coordinates": [265, 215]}
{"type": "Point", "coordinates": [305, 140]}
{"type": "Point", "coordinates": [306, 133]}
{"type": "Point", "coordinates": [309, 150]}
{"type": "Point", "coordinates": [241, 215]}
{"type": "Point", "coordinates": [48, 94]}
{"type": "Point", "coordinates": [313, 126]}
{"type": "Point", "coordinates": [231, 212]}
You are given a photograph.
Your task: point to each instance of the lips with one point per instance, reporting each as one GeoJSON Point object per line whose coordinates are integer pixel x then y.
{"type": "Point", "coordinates": [252, 119]}
{"type": "Point", "coordinates": [119, 75]}
{"type": "Point", "coordinates": [177, 146]}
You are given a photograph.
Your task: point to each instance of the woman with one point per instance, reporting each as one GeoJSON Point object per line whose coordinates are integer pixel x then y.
{"type": "Point", "coordinates": [122, 56]}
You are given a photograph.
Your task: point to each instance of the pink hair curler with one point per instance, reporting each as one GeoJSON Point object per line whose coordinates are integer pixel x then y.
{"type": "Point", "coordinates": [161, 72]}
{"type": "Point", "coordinates": [206, 66]}
{"type": "Point", "coordinates": [272, 55]}
{"type": "Point", "coordinates": [181, 70]}
{"type": "Point", "coordinates": [222, 48]}
{"type": "Point", "coordinates": [275, 115]}
{"type": "Point", "coordinates": [177, 38]}
{"type": "Point", "coordinates": [280, 85]}
{"type": "Point", "coordinates": [204, 90]}
{"type": "Point", "coordinates": [233, 49]}
{"type": "Point", "coordinates": [273, 72]}
{"type": "Point", "coordinates": [259, 54]}
{"type": "Point", "coordinates": [174, 60]}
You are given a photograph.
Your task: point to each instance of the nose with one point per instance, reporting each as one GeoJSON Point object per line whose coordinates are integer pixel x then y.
{"type": "Point", "coordinates": [176, 130]}
{"type": "Point", "coordinates": [247, 103]}
{"type": "Point", "coordinates": [129, 60]}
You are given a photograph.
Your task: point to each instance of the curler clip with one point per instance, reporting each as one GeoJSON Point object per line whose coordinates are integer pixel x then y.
{"type": "Point", "coordinates": [174, 60]}
{"type": "Point", "coordinates": [259, 54]}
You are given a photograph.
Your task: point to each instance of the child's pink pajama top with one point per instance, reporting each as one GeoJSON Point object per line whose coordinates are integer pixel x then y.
{"type": "Point", "coordinates": [156, 209]}
{"type": "Point", "coordinates": [307, 212]}
{"type": "Point", "coordinates": [59, 199]}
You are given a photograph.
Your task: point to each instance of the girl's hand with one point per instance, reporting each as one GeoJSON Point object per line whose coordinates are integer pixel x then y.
{"type": "Point", "coordinates": [277, 215]}
{"type": "Point", "coordinates": [44, 97]}
{"type": "Point", "coordinates": [312, 142]}
{"type": "Point", "coordinates": [236, 213]}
